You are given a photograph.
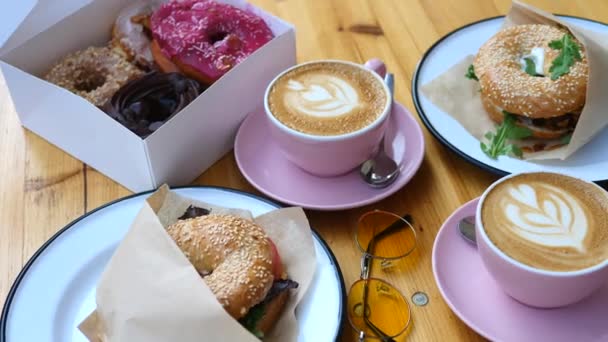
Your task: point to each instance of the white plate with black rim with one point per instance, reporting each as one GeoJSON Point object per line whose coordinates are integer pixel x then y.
{"type": "Point", "coordinates": [590, 162]}
{"type": "Point", "coordinates": [55, 290]}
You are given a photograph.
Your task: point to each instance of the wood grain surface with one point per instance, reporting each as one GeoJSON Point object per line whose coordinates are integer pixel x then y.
{"type": "Point", "coordinates": [42, 188]}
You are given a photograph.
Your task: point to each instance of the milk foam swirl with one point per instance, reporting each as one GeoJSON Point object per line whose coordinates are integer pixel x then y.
{"type": "Point", "coordinates": [546, 215]}
{"type": "Point", "coordinates": [321, 96]}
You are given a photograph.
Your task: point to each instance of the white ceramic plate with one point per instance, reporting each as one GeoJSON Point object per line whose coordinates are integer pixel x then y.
{"type": "Point", "coordinates": [55, 291]}
{"type": "Point", "coordinates": [590, 162]}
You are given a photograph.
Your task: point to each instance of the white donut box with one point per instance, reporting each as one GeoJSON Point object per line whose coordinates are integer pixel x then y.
{"type": "Point", "coordinates": [181, 149]}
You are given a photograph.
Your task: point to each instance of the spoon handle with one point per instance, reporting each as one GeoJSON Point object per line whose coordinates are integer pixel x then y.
{"type": "Point", "coordinates": [389, 79]}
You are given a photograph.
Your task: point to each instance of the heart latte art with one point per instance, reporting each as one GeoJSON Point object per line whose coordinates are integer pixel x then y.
{"type": "Point", "coordinates": [546, 215]}
{"type": "Point", "coordinates": [327, 98]}
{"type": "Point", "coordinates": [548, 221]}
{"type": "Point", "coordinates": [324, 96]}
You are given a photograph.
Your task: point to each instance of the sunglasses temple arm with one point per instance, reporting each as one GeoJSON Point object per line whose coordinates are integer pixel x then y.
{"type": "Point", "coordinates": [387, 231]}
{"type": "Point", "coordinates": [392, 228]}
{"type": "Point", "coordinates": [379, 333]}
{"type": "Point", "coordinates": [365, 270]}
{"type": "Point", "coordinates": [366, 265]}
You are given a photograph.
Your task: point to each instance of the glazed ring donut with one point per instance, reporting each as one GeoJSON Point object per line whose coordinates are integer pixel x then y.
{"type": "Point", "coordinates": [506, 85]}
{"type": "Point", "coordinates": [95, 73]}
{"type": "Point", "coordinates": [232, 254]}
{"type": "Point", "coordinates": [206, 39]}
{"type": "Point", "coordinates": [129, 35]}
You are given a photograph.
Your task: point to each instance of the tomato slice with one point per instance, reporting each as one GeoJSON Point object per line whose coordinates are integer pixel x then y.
{"type": "Point", "coordinates": [277, 264]}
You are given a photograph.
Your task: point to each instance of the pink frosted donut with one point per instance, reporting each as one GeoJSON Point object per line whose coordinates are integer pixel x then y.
{"type": "Point", "coordinates": [206, 39]}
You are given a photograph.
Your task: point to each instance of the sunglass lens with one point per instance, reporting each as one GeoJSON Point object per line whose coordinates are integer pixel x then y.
{"type": "Point", "coordinates": [385, 235]}
{"type": "Point", "coordinates": [377, 308]}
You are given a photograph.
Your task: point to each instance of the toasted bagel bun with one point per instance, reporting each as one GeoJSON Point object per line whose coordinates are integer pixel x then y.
{"type": "Point", "coordinates": [232, 254]}
{"type": "Point", "coordinates": [504, 83]}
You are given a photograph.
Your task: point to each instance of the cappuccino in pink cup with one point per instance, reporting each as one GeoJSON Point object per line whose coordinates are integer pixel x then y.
{"type": "Point", "coordinates": [544, 237]}
{"type": "Point", "coordinates": [327, 116]}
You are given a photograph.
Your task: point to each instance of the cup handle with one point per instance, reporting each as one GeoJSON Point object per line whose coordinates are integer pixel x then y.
{"type": "Point", "coordinates": [376, 65]}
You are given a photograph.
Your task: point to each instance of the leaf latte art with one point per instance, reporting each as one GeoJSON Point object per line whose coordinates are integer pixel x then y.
{"type": "Point", "coordinates": [327, 98]}
{"type": "Point", "coordinates": [322, 95]}
{"type": "Point", "coordinates": [548, 221]}
{"type": "Point", "coordinates": [555, 219]}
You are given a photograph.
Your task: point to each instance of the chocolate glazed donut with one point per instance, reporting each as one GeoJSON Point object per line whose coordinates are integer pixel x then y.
{"type": "Point", "coordinates": [144, 104]}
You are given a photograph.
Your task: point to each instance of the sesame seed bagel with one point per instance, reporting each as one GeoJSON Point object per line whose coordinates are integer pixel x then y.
{"type": "Point", "coordinates": [506, 85]}
{"type": "Point", "coordinates": [232, 254]}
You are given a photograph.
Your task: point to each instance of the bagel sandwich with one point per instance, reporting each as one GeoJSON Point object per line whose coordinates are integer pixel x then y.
{"type": "Point", "coordinates": [239, 263]}
{"type": "Point", "coordinates": [536, 73]}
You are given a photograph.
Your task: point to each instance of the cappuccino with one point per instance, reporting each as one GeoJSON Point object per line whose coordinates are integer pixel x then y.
{"type": "Point", "coordinates": [327, 98]}
{"type": "Point", "coordinates": [548, 221]}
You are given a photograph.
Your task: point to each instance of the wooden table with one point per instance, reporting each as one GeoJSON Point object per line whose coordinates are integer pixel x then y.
{"type": "Point", "coordinates": [42, 188]}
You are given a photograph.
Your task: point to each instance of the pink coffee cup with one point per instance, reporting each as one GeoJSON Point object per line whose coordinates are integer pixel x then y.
{"type": "Point", "coordinates": [334, 155]}
{"type": "Point", "coordinates": [533, 286]}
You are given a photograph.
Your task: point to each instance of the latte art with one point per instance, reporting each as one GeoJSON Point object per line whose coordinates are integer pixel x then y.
{"type": "Point", "coordinates": [548, 221]}
{"type": "Point", "coordinates": [327, 98]}
{"type": "Point", "coordinates": [556, 220]}
{"type": "Point", "coordinates": [323, 96]}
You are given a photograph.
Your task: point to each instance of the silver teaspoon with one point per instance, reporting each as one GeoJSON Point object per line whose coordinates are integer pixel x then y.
{"type": "Point", "coordinates": [466, 226]}
{"type": "Point", "coordinates": [381, 170]}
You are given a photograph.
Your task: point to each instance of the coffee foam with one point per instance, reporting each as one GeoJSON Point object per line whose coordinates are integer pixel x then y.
{"type": "Point", "coordinates": [546, 215]}
{"type": "Point", "coordinates": [327, 98]}
{"type": "Point", "coordinates": [548, 221]}
{"type": "Point", "coordinates": [324, 96]}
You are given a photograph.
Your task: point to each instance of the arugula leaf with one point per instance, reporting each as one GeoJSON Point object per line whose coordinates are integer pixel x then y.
{"type": "Point", "coordinates": [530, 67]}
{"type": "Point", "coordinates": [471, 73]}
{"type": "Point", "coordinates": [518, 132]}
{"type": "Point", "coordinates": [498, 142]}
{"type": "Point", "coordinates": [557, 44]}
{"type": "Point", "coordinates": [514, 150]}
{"type": "Point", "coordinates": [565, 140]}
{"type": "Point", "coordinates": [569, 54]}
{"type": "Point", "coordinates": [252, 318]}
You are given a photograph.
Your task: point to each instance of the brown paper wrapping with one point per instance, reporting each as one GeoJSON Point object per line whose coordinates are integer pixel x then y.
{"type": "Point", "coordinates": [150, 292]}
{"type": "Point", "coordinates": [459, 97]}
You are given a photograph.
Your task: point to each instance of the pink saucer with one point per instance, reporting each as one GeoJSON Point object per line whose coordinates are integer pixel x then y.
{"type": "Point", "coordinates": [474, 297]}
{"type": "Point", "coordinates": [264, 166]}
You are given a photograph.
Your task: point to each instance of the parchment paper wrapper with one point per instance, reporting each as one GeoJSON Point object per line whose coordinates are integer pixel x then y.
{"type": "Point", "coordinates": [150, 292]}
{"type": "Point", "coordinates": [459, 96]}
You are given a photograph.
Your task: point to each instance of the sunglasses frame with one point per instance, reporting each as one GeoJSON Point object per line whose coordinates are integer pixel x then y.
{"type": "Point", "coordinates": [366, 264]}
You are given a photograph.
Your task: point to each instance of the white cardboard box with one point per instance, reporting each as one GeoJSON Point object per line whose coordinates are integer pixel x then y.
{"type": "Point", "coordinates": [180, 149]}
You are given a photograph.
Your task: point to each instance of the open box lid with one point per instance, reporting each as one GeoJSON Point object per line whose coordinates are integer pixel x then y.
{"type": "Point", "coordinates": [22, 19]}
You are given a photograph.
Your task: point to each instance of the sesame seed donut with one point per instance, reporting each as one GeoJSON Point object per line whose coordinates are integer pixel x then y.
{"type": "Point", "coordinates": [233, 255]}
{"type": "Point", "coordinates": [95, 73]}
{"type": "Point", "coordinates": [505, 86]}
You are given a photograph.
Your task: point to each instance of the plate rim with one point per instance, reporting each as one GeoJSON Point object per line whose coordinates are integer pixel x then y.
{"type": "Point", "coordinates": [18, 279]}
{"type": "Point", "coordinates": [423, 116]}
